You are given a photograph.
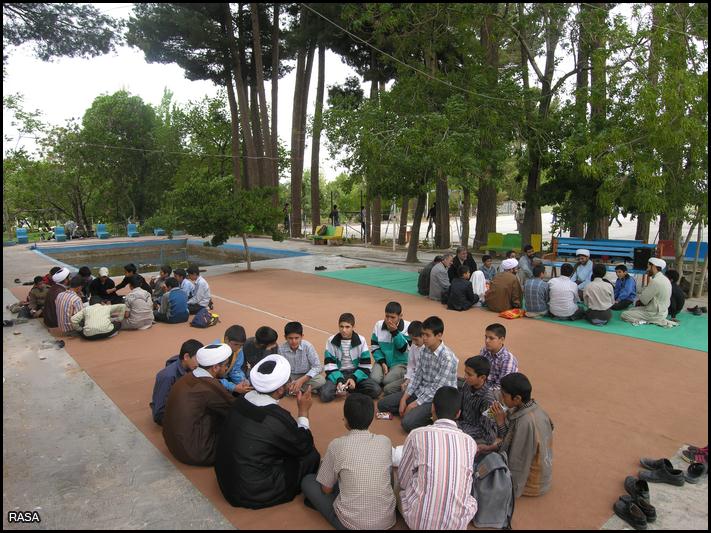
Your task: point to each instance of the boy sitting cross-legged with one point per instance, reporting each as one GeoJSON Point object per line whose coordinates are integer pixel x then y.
{"type": "Point", "coordinates": [347, 363]}
{"type": "Point", "coordinates": [389, 346]}
{"type": "Point", "coordinates": [437, 367]}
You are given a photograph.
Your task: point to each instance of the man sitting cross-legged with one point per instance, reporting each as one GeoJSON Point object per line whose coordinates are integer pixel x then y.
{"type": "Point", "coordinates": [262, 452]}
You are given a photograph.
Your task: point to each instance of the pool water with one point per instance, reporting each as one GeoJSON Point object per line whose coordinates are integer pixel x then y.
{"type": "Point", "coordinates": [152, 260]}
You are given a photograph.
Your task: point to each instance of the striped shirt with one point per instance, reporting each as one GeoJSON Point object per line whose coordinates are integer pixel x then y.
{"type": "Point", "coordinates": [434, 370]}
{"type": "Point", "coordinates": [436, 474]}
{"type": "Point", "coordinates": [68, 304]}
{"type": "Point", "coordinates": [472, 420]}
{"type": "Point", "coordinates": [502, 362]}
{"type": "Point", "coordinates": [360, 463]}
{"type": "Point", "coordinates": [347, 361]}
{"type": "Point", "coordinates": [303, 360]}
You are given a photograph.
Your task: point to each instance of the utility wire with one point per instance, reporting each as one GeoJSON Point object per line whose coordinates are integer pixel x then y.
{"type": "Point", "coordinates": [146, 150]}
{"type": "Point", "coordinates": [448, 84]}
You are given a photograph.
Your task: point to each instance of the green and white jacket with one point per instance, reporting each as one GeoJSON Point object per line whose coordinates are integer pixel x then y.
{"type": "Point", "coordinates": [360, 355]}
{"type": "Point", "coordinates": [386, 347]}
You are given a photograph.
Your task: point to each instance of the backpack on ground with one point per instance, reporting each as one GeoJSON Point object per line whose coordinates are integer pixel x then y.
{"type": "Point", "coordinates": [204, 319]}
{"type": "Point", "coordinates": [493, 490]}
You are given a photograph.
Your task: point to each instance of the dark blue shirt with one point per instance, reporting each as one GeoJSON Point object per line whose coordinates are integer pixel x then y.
{"type": "Point", "coordinates": [626, 289]}
{"type": "Point", "coordinates": [164, 382]}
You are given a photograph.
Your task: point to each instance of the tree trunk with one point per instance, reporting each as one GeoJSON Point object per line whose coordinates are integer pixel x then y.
{"type": "Point", "coordinates": [442, 233]}
{"type": "Point", "coordinates": [261, 179]}
{"type": "Point", "coordinates": [466, 209]}
{"type": "Point", "coordinates": [643, 223]}
{"type": "Point", "coordinates": [296, 168]}
{"type": "Point", "coordinates": [247, 254]}
{"type": "Point", "coordinates": [416, 224]}
{"type": "Point", "coordinates": [269, 166]}
{"type": "Point", "coordinates": [668, 228]}
{"type": "Point", "coordinates": [368, 220]}
{"type": "Point", "coordinates": [577, 229]}
{"type": "Point", "coordinates": [532, 217]}
{"type": "Point", "coordinates": [251, 164]}
{"type": "Point", "coordinates": [485, 213]}
{"type": "Point", "coordinates": [316, 143]}
{"type": "Point", "coordinates": [275, 102]}
{"type": "Point", "coordinates": [403, 221]}
{"type": "Point", "coordinates": [598, 229]}
{"type": "Point", "coordinates": [377, 219]}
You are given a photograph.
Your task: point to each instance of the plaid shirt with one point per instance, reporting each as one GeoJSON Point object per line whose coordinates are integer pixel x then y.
{"type": "Point", "coordinates": [68, 304]}
{"type": "Point", "coordinates": [434, 370]}
{"type": "Point", "coordinates": [502, 362]}
{"type": "Point", "coordinates": [360, 462]}
{"type": "Point", "coordinates": [535, 294]}
{"type": "Point", "coordinates": [304, 360]}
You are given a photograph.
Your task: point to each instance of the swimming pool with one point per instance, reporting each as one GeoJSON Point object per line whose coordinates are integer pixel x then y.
{"type": "Point", "coordinates": [148, 256]}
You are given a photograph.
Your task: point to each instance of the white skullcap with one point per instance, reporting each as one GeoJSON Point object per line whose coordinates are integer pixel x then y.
{"type": "Point", "coordinates": [582, 251]}
{"type": "Point", "coordinates": [103, 271]}
{"type": "Point", "coordinates": [61, 275]}
{"type": "Point", "coordinates": [213, 354]}
{"type": "Point", "coordinates": [509, 264]}
{"type": "Point", "coordinates": [659, 263]}
{"type": "Point", "coordinates": [269, 382]}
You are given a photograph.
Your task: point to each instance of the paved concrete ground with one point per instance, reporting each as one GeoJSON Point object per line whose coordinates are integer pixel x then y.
{"type": "Point", "coordinates": [70, 454]}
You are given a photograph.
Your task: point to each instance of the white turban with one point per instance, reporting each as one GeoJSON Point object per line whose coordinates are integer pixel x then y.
{"type": "Point", "coordinates": [582, 251]}
{"type": "Point", "coordinates": [103, 271]}
{"type": "Point", "coordinates": [659, 263]}
{"type": "Point", "coordinates": [61, 275]}
{"type": "Point", "coordinates": [213, 354]}
{"type": "Point", "coordinates": [509, 264]}
{"type": "Point", "coordinates": [268, 382]}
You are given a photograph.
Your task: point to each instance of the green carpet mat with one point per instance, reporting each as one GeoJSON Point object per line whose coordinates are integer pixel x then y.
{"type": "Point", "coordinates": [692, 333]}
{"type": "Point", "coordinates": [385, 278]}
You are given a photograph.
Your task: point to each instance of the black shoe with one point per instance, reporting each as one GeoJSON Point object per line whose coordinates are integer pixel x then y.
{"type": "Point", "coordinates": [630, 513]}
{"type": "Point", "coordinates": [652, 464]}
{"type": "Point", "coordinates": [692, 309]}
{"type": "Point", "coordinates": [695, 472]}
{"type": "Point", "coordinates": [320, 268]}
{"type": "Point", "coordinates": [667, 474]}
{"type": "Point", "coordinates": [649, 511]}
{"type": "Point", "coordinates": [637, 488]}
{"type": "Point", "coordinates": [697, 311]}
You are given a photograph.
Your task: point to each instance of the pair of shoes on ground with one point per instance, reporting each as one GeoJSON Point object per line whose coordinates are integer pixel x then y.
{"type": "Point", "coordinates": [321, 267]}
{"type": "Point", "coordinates": [697, 311]}
{"type": "Point", "coordinates": [634, 507]}
{"type": "Point", "coordinates": [694, 454]}
{"type": "Point", "coordinates": [660, 471]}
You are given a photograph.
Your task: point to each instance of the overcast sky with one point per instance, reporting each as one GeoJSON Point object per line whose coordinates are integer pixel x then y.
{"type": "Point", "coordinates": [65, 88]}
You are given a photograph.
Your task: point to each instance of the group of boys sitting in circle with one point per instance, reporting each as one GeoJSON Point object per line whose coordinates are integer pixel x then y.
{"type": "Point", "coordinates": [580, 291]}
{"type": "Point", "coordinates": [218, 406]}
{"type": "Point", "coordinates": [92, 308]}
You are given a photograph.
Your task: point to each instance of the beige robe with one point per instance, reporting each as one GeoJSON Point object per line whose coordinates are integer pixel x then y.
{"type": "Point", "coordinates": [656, 298]}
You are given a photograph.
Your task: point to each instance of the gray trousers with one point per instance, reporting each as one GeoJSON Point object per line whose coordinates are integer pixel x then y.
{"type": "Point", "coordinates": [392, 380]}
{"type": "Point", "coordinates": [367, 387]}
{"type": "Point", "coordinates": [323, 503]}
{"type": "Point", "coordinates": [316, 382]}
{"type": "Point", "coordinates": [418, 417]}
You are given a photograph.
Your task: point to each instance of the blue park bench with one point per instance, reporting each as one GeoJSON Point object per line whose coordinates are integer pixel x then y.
{"type": "Point", "coordinates": [610, 252]}
{"type": "Point", "coordinates": [22, 237]}
{"type": "Point", "coordinates": [132, 230]}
